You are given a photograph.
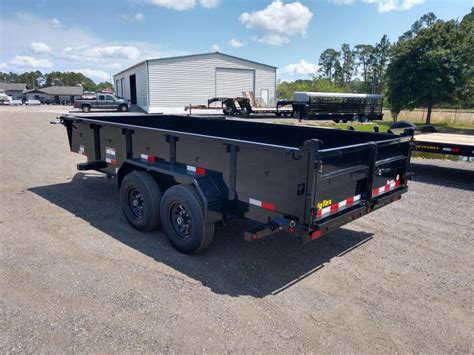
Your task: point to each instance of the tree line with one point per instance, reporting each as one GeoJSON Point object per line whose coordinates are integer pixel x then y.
{"type": "Point", "coordinates": [38, 80]}
{"type": "Point", "coordinates": [431, 64]}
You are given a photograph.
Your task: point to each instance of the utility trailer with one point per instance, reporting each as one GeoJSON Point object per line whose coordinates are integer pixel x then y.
{"type": "Point", "coordinates": [188, 173]}
{"type": "Point", "coordinates": [240, 106]}
{"type": "Point", "coordinates": [445, 143]}
{"type": "Point", "coordinates": [337, 106]}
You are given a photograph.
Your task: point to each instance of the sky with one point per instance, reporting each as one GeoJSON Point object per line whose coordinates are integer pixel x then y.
{"type": "Point", "coordinates": [101, 37]}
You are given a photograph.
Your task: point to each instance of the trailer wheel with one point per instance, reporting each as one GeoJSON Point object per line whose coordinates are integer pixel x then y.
{"type": "Point", "coordinates": [140, 198]}
{"type": "Point", "coordinates": [86, 108]}
{"type": "Point", "coordinates": [123, 108]}
{"type": "Point", "coordinates": [182, 214]}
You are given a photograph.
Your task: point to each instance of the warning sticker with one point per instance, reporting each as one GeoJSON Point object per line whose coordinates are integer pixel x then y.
{"type": "Point", "coordinates": [110, 156]}
{"type": "Point", "coordinates": [82, 150]}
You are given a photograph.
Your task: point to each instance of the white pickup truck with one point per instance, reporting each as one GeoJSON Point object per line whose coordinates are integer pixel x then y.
{"type": "Point", "coordinates": [101, 101]}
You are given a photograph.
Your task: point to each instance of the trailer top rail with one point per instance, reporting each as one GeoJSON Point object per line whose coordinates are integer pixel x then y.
{"type": "Point", "coordinates": [303, 95]}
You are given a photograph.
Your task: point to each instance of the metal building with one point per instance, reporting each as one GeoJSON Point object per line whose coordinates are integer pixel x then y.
{"type": "Point", "coordinates": [170, 84]}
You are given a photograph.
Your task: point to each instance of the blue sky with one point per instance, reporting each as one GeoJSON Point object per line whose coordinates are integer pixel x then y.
{"type": "Point", "coordinates": [99, 38]}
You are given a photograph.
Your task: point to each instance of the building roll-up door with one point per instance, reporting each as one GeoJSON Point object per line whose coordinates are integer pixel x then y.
{"type": "Point", "coordinates": [231, 82]}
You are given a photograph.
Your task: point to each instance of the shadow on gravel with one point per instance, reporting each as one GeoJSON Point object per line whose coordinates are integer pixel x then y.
{"type": "Point", "coordinates": [229, 266]}
{"type": "Point", "coordinates": [443, 176]}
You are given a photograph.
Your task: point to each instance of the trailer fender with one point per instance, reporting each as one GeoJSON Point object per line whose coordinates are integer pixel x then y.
{"type": "Point", "coordinates": [211, 187]}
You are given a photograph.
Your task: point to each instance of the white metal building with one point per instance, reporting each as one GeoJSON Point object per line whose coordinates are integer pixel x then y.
{"type": "Point", "coordinates": [170, 84]}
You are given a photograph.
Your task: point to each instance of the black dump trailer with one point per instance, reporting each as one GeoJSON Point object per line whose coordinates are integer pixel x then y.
{"type": "Point", "coordinates": [339, 107]}
{"type": "Point", "coordinates": [188, 173]}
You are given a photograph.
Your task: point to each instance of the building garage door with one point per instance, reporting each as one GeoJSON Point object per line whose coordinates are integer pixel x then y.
{"type": "Point", "coordinates": [231, 82]}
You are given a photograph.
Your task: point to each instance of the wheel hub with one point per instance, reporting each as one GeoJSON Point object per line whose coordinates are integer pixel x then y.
{"type": "Point", "coordinates": [181, 220]}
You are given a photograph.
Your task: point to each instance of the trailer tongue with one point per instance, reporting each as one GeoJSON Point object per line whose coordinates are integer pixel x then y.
{"type": "Point", "coordinates": [187, 173]}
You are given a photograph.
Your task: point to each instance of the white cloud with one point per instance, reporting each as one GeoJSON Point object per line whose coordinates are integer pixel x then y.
{"type": "Point", "coordinates": [114, 65]}
{"type": "Point", "coordinates": [95, 74]}
{"type": "Point", "coordinates": [385, 5]}
{"type": "Point", "coordinates": [278, 21]}
{"type": "Point", "coordinates": [301, 68]}
{"type": "Point", "coordinates": [183, 5]}
{"type": "Point", "coordinates": [342, 2]}
{"type": "Point", "coordinates": [272, 40]}
{"type": "Point", "coordinates": [55, 22]}
{"type": "Point", "coordinates": [130, 52]}
{"type": "Point", "coordinates": [209, 3]}
{"type": "Point", "coordinates": [3, 65]}
{"type": "Point", "coordinates": [30, 62]}
{"type": "Point", "coordinates": [40, 47]}
{"type": "Point", "coordinates": [178, 5]}
{"type": "Point", "coordinates": [139, 17]}
{"type": "Point", "coordinates": [236, 43]}
{"type": "Point", "coordinates": [215, 48]}
{"type": "Point", "coordinates": [397, 5]}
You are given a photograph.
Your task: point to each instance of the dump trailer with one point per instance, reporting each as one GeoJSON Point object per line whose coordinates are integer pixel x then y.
{"type": "Point", "coordinates": [187, 173]}
{"type": "Point", "coordinates": [339, 107]}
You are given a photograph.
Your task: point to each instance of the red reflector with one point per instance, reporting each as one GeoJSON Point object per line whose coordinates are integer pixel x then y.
{"type": "Point", "coordinates": [350, 201]}
{"type": "Point", "coordinates": [254, 237]}
{"type": "Point", "coordinates": [268, 206]}
{"type": "Point", "coordinates": [316, 234]}
{"type": "Point", "coordinates": [334, 207]}
{"type": "Point", "coordinates": [319, 213]}
{"type": "Point", "coordinates": [455, 150]}
{"type": "Point", "coordinates": [151, 158]}
{"type": "Point", "coordinates": [200, 171]}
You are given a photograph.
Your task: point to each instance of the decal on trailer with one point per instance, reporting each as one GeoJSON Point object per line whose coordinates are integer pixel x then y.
{"type": "Point", "coordinates": [110, 156]}
{"type": "Point", "coordinates": [262, 204]}
{"type": "Point", "coordinates": [337, 207]}
{"type": "Point", "coordinates": [196, 169]}
{"type": "Point", "coordinates": [391, 185]}
{"type": "Point", "coordinates": [452, 150]}
{"type": "Point", "coordinates": [148, 158]}
{"type": "Point", "coordinates": [82, 150]}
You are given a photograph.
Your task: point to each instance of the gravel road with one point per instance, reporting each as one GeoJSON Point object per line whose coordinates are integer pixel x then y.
{"type": "Point", "coordinates": [75, 276]}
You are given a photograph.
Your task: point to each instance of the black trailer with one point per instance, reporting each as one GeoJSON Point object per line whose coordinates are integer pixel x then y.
{"type": "Point", "coordinates": [339, 107]}
{"type": "Point", "coordinates": [240, 106]}
{"type": "Point", "coordinates": [188, 173]}
{"type": "Point", "coordinates": [445, 143]}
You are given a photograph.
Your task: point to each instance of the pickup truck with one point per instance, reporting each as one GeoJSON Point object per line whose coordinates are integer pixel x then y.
{"type": "Point", "coordinates": [189, 173]}
{"type": "Point", "coordinates": [101, 101]}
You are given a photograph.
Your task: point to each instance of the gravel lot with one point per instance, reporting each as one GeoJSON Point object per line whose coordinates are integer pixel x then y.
{"type": "Point", "coordinates": [75, 277]}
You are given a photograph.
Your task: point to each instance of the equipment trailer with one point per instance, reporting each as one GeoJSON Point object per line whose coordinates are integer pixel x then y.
{"type": "Point", "coordinates": [188, 173]}
{"type": "Point", "coordinates": [240, 106]}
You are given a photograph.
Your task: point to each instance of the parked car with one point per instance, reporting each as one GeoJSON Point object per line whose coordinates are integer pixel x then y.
{"type": "Point", "coordinates": [101, 101]}
{"type": "Point", "coordinates": [4, 98]}
{"type": "Point", "coordinates": [32, 102]}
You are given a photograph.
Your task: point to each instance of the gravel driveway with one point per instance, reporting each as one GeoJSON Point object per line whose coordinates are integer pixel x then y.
{"type": "Point", "coordinates": [76, 277]}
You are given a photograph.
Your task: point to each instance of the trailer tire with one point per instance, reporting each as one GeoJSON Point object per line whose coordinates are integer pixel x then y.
{"type": "Point", "coordinates": [140, 198]}
{"type": "Point", "coordinates": [86, 108]}
{"type": "Point", "coordinates": [123, 108]}
{"type": "Point", "coordinates": [182, 214]}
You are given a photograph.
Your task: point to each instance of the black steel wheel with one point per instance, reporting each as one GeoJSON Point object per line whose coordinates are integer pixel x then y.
{"type": "Point", "coordinates": [140, 198]}
{"type": "Point", "coordinates": [182, 214]}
